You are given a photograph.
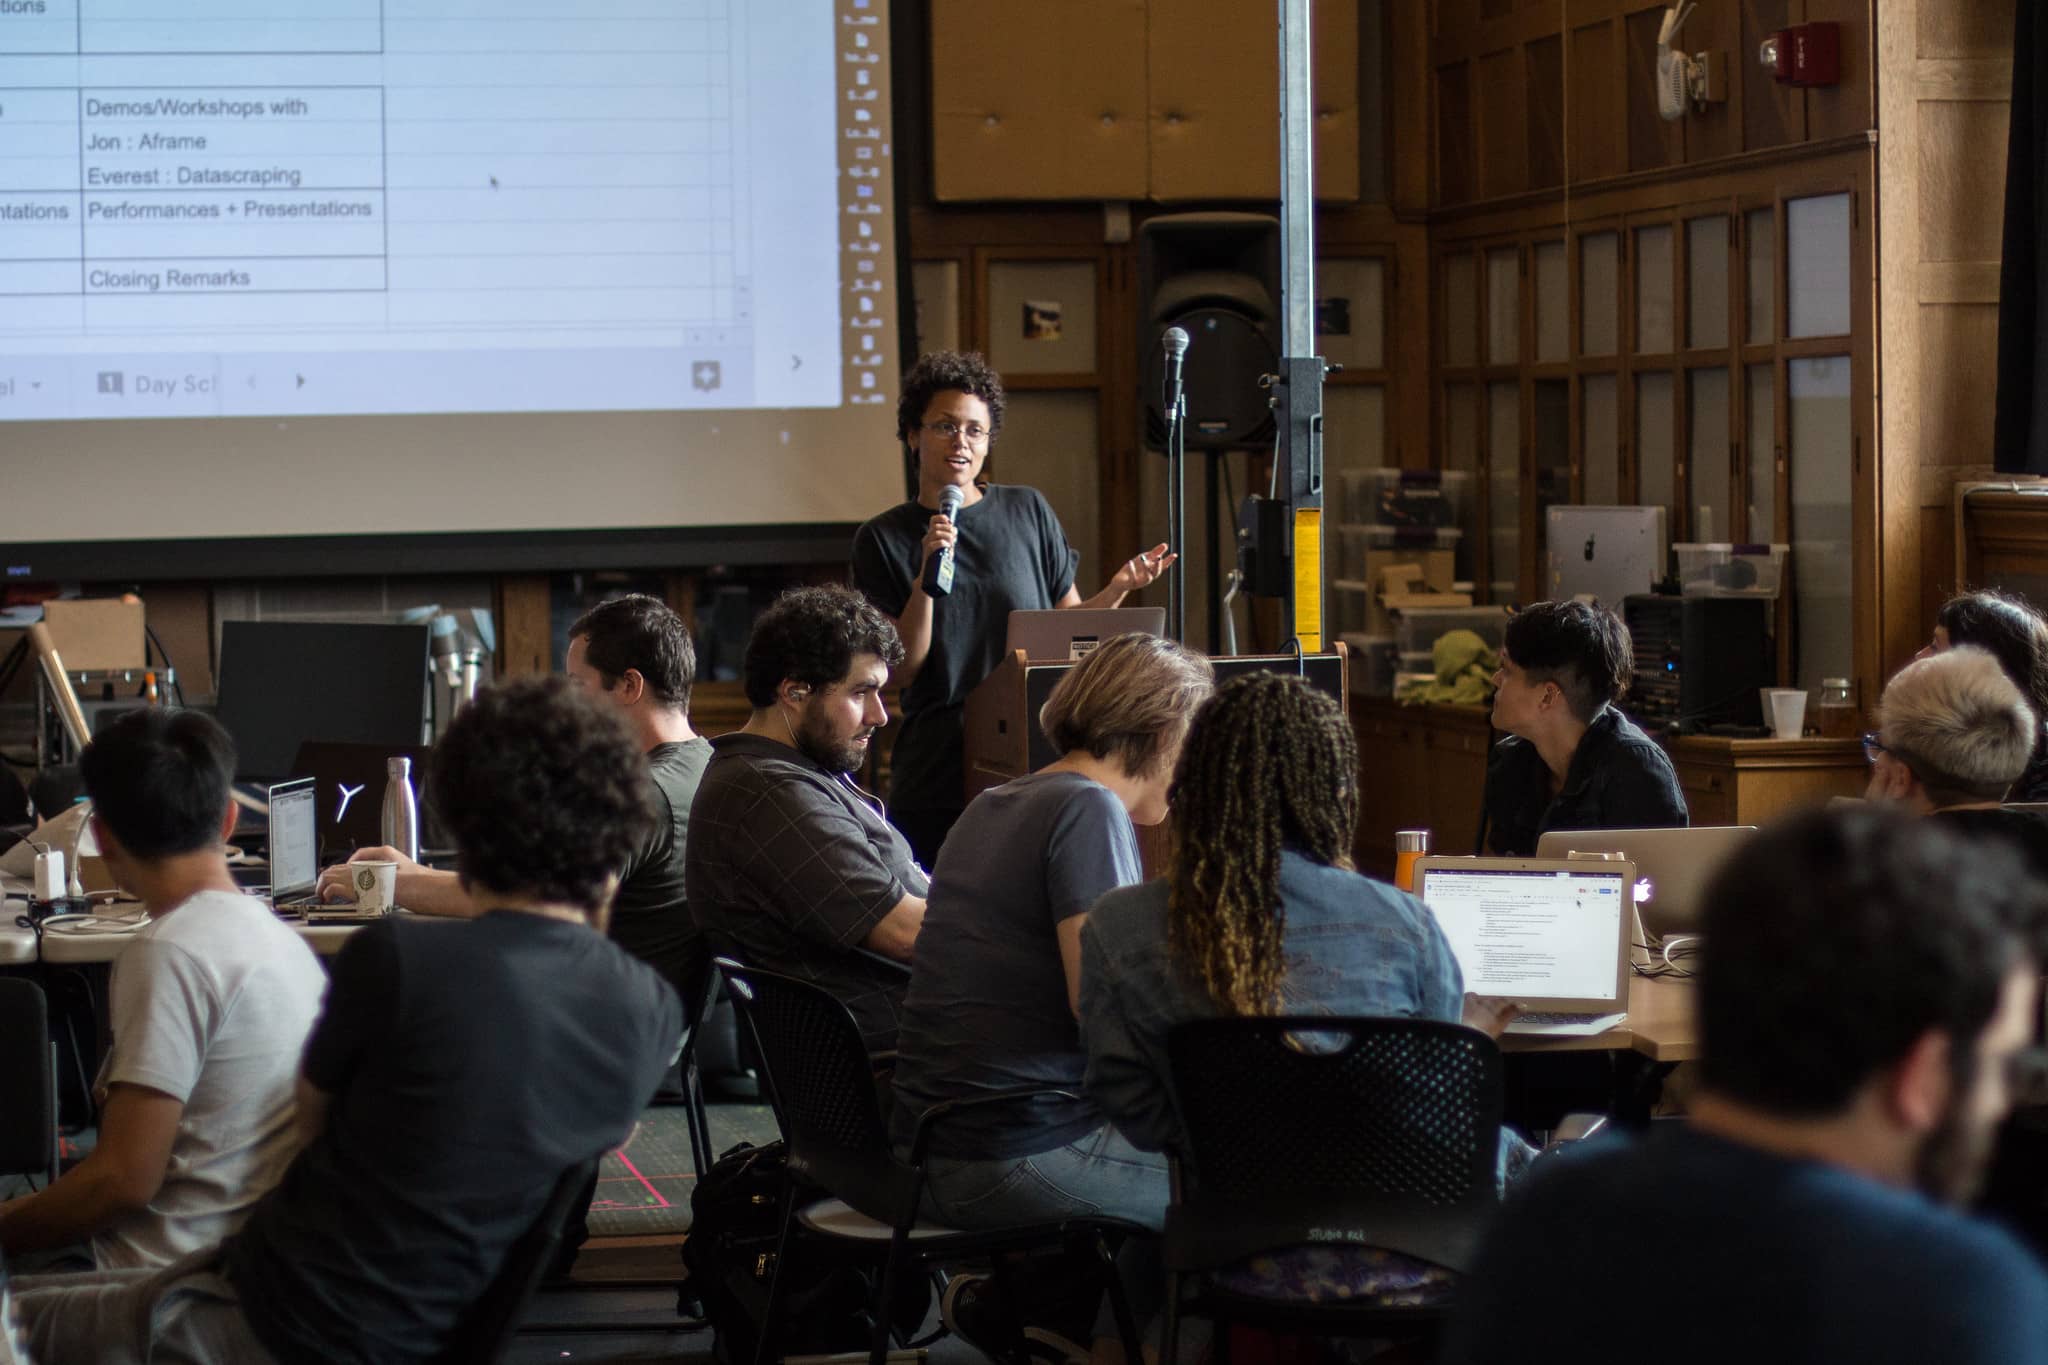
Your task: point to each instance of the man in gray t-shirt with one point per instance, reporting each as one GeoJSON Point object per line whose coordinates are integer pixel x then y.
{"type": "Point", "coordinates": [211, 1005]}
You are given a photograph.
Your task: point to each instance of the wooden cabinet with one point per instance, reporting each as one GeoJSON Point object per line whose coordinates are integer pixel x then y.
{"type": "Point", "coordinates": [1749, 781]}
{"type": "Point", "coordinates": [1424, 767]}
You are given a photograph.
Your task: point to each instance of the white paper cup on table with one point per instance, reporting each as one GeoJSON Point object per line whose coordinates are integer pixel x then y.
{"type": "Point", "coordinates": [376, 885]}
{"type": "Point", "coordinates": [1785, 709]}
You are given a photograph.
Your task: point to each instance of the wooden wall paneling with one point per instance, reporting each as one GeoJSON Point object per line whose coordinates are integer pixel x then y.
{"type": "Point", "coordinates": [1212, 73]}
{"type": "Point", "coordinates": [1498, 92]}
{"type": "Point", "coordinates": [1020, 110]}
{"type": "Point", "coordinates": [1965, 28]}
{"type": "Point", "coordinates": [525, 631]}
{"type": "Point", "coordinates": [1117, 320]}
{"type": "Point", "coordinates": [1652, 142]}
{"type": "Point", "coordinates": [1772, 114]}
{"type": "Point", "coordinates": [1409, 82]}
{"type": "Point", "coordinates": [1851, 105]}
{"type": "Point", "coordinates": [1416, 443]}
{"type": "Point", "coordinates": [1457, 174]}
{"type": "Point", "coordinates": [1595, 79]}
{"type": "Point", "coordinates": [1961, 167]}
{"type": "Point", "coordinates": [1543, 116]}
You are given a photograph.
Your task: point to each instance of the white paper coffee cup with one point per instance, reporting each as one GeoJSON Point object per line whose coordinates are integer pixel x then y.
{"type": "Point", "coordinates": [376, 885]}
{"type": "Point", "coordinates": [1785, 709]}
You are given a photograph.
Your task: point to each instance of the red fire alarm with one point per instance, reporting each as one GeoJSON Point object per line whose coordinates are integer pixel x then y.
{"type": "Point", "coordinates": [1805, 54]}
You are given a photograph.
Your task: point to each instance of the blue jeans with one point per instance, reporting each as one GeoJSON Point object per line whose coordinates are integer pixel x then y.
{"type": "Point", "coordinates": [1097, 1174]}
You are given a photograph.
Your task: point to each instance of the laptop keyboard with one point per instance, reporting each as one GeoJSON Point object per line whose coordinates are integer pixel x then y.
{"type": "Point", "coordinates": [1549, 1022]}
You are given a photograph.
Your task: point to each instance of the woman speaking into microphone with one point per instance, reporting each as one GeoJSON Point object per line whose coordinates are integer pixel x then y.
{"type": "Point", "coordinates": [951, 579]}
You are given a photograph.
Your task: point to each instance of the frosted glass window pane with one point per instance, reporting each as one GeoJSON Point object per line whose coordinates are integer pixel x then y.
{"type": "Point", "coordinates": [1503, 307]}
{"type": "Point", "coordinates": [1653, 290]}
{"type": "Point", "coordinates": [1760, 245]}
{"type": "Point", "coordinates": [1818, 413]}
{"type": "Point", "coordinates": [1763, 455]}
{"type": "Point", "coordinates": [1355, 426]}
{"type": "Point", "coordinates": [1655, 458]}
{"type": "Point", "coordinates": [1600, 429]}
{"type": "Point", "coordinates": [1553, 303]}
{"type": "Point", "coordinates": [1461, 426]}
{"type": "Point", "coordinates": [1706, 458]}
{"type": "Point", "coordinates": [1706, 289]}
{"type": "Point", "coordinates": [1600, 293]}
{"type": "Point", "coordinates": [1461, 311]}
{"type": "Point", "coordinates": [1817, 266]}
{"type": "Point", "coordinates": [1551, 442]}
{"type": "Point", "coordinates": [1504, 501]}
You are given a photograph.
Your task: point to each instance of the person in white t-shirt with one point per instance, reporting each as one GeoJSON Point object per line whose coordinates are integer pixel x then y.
{"type": "Point", "coordinates": [210, 1006]}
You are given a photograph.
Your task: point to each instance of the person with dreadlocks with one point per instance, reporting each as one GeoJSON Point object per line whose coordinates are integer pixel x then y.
{"type": "Point", "coordinates": [1260, 911]}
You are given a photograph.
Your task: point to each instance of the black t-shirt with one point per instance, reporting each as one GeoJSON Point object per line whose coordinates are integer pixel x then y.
{"type": "Point", "coordinates": [1687, 1248]}
{"type": "Point", "coordinates": [469, 1063]}
{"type": "Point", "coordinates": [987, 1008]}
{"type": "Point", "coordinates": [650, 915]}
{"type": "Point", "coordinates": [1619, 778]}
{"type": "Point", "coordinates": [2023, 831]}
{"type": "Point", "coordinates": [790, 868]}
{"type": "Point", "coordinates": [1012, 555]}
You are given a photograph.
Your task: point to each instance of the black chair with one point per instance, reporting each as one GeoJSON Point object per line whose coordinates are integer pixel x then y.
{"type": "Point", "coordinates": [488, 1326]}
{"type": "Point", "coordinates": [1312, 1131]}
{"type": "Point", "coordinates": [28, 1120]}
{"type": "Point", "coordinates": [822, 1087]}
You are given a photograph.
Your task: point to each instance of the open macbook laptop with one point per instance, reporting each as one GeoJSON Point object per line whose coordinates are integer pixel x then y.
{"type": "Point", "coordinates": [294, 851]}
{"type": "Point", "coordinates": [1672, 866]}
{"type": "Point", "coordinates": [1550, 932]}
{"type": "Point", "coordinates": [1074, 633]}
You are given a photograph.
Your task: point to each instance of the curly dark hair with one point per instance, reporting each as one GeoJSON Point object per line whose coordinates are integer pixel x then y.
{"type": "Point", "coordinates": [543, 792]}
{"type": "Point", "coordinates": [2007, 627]}
{"type": "Point", "coordinates": [1834, 941]}
{"type": "Point", "coordinates": [159, 780]}
{"type": "Point", "coordinates": [946, 371]}
{"type": "Point", "coordinates": [1584, 649]}
{"type": "Point", "coordinates": [811, 635]}
{"type": "Point", "coordinates": [1270, 763]}
{"type": "Point", "coordinates": [644, 634]}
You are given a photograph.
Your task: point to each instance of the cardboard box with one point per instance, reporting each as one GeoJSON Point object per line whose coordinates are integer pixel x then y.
{"type": "Point", "coordinates": [97, 634]}
{"type": "Point", "coordinates": [1439, 569]}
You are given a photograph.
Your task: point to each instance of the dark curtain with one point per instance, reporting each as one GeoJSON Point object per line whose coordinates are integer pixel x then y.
{"type": "Point", "coordinates": [2020, 444]}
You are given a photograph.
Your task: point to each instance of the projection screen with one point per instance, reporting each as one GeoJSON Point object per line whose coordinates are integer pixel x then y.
{"type": "Point", "coordinates": [484, 273]}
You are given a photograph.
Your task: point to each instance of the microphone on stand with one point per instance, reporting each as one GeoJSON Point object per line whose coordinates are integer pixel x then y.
{"type": "Point", "coordinates": [938, 572]}
{"type": "Point", "coordinates": [1176, 343]}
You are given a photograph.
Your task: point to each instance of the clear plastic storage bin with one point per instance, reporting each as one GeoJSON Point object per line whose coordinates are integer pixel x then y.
{"type": "Point", "coordinates": [1416, 629]}
{"type": "Point", "coordinates": [1348, 606]}
{"type": "Point", "coordinates": [1425, 498]}
{"type": "Point", "coordinates": [1373, 662]}
{"type": "Point", "coordinates": [1354, 548]}
{"type": "Point", "coordinates": [1724, 570]}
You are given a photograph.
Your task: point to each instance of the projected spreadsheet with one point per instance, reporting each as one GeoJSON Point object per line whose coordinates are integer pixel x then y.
{"type": "Point", "coordinates": [211, 206]}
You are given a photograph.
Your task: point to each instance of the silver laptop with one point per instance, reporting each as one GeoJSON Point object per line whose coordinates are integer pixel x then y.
{"type": "Point", "coordinates": [1672, 866]}
{"type": "Point", "coordinates": [294, 845]}
{"type": "Point", "coordinates": [1550, 932]}
{"type": "Point", "coordinates": [1074, 633]}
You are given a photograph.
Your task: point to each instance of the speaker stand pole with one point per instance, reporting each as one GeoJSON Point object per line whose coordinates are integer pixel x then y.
{"type": "Point", "coordinates": [1298, 396]}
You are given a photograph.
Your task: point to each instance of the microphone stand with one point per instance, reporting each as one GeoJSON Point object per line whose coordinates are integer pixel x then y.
{"type": "Point", "coordinates": [1177, 514]}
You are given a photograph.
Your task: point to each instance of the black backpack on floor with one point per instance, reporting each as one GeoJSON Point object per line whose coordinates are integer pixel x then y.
{"type": "Point", "coordinates": [735, 1212]}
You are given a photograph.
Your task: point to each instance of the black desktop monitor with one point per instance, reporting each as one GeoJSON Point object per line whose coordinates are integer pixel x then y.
{"type": "Point", "coordinates": [283, 683]}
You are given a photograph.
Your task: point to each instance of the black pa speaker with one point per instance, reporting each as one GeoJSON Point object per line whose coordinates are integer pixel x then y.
{"type": "Point", "coordinates": [1217, 277]}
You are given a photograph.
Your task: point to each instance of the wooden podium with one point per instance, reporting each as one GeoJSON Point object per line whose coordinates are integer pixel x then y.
{"type": "Point", "coordinates": [1002, 739]}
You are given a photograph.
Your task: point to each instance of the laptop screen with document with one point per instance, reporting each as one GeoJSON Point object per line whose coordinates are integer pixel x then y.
{"type": "Point", "coordinates": [294, 838]}
{"type": "Point", "coordinates": [1544, 931]}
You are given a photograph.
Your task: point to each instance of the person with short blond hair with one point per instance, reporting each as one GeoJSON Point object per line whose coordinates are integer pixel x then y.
{"type": "Point", "coordinates": [1953, 731]}
{"type": "Point", "coordinates": [996, 978]}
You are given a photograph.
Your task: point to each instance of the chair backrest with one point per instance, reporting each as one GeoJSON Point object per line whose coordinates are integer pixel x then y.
{"type": "Point", "coordinates": [28, 1119]}
{"type": "Point", "coordinates": [1304, 1129]}
{"type": "Point", "coordinates": [823, 1090]}
{"type": "Point", "coordinates": [487, 1328]}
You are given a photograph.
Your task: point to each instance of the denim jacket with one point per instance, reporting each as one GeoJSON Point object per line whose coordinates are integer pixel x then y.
{"type": "Point", "coordinates": [1354, 946]}
{"type": "Point", "coordinates": [1619, 778]}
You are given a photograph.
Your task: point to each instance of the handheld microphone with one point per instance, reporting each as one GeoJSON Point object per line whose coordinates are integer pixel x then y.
{"type": "Point", "coordinates": [1176, 343]}
{"type": "Point", "coordinates": [938, 572]}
